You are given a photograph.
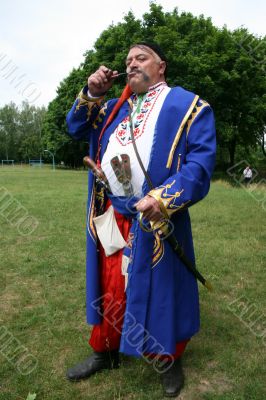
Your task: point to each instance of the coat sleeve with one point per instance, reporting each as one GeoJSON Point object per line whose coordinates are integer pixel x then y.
{"type": "Point", "coordinates": [86, 116]}
{"type": "Point", "coordinates": [192, 181]}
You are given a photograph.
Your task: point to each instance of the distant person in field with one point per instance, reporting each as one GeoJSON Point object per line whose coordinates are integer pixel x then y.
{"type": "Point", "coordinates": [141, 299]}
{"type": "Point", "coordinates": [247, 174]}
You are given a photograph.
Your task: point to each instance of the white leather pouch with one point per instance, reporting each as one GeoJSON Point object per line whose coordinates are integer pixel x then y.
{"type": "Point", "coordinates": [108, 232]}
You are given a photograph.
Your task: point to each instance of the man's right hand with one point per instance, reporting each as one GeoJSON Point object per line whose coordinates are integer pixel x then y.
{"type": "Point", "coordinates": [100, 81]}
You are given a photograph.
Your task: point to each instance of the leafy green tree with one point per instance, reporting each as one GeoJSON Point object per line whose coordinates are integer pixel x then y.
{"type": "Point", "coordinates": [29, 131]}
{"type": "Point", "coordinates": [54, 130]}
{"type": "Point", "coordinates": [20, 132]}
{"type": "Point", "coordinates": [8, 131]}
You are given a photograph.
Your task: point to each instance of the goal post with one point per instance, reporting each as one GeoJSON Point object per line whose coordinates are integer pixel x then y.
{"type": "Point", "coordinates": [8, 162]}
{"type": "Point", "coordinates": [36, 163]}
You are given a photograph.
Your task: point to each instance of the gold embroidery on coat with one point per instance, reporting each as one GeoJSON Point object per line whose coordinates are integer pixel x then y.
{"type": "Point", "coordinates": [90, 103]}
{"type": "Point", "coordinates": [158, 250]}
{"type": "Point", "coordinates": [197, 109]}
{"type": "Point", "coordinates": [168, 200]}
{"type": "Point", "coordinates": [99, 197]}
{"type": "Point", "coordinates": [179, 132]}
{"type": "Point", "coordinates": [100, 116]}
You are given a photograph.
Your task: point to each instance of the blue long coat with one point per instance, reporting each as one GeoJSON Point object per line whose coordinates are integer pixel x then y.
{"type": "Point", "coordinates": [162, 295]}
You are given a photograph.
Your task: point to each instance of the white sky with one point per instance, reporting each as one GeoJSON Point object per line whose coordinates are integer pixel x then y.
{"type": "Point", "coordinates": [45, 39]}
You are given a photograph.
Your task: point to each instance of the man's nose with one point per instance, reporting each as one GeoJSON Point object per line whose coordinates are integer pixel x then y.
{"type": "Point", "coordinates": [133, 64]}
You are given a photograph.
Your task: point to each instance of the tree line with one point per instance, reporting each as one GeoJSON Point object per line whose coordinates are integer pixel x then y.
{"type": "Point", "coordinates": [21, 132]}
{"type": "Point", "coordinates": [226, 68]}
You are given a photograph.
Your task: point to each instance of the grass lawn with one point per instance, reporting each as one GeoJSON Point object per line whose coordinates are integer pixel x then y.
{"type": "Point", "coordinates": [42, 296]}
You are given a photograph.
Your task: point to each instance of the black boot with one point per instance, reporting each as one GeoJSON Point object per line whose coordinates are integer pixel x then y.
{"type": "Point", "coordinates": [173, 379]}
{"type": "Point", "coordinates": [96, 362]}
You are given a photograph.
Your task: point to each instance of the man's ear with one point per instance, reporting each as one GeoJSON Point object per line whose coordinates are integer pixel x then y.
{"type": "Point", "coordinates": [162, 67]}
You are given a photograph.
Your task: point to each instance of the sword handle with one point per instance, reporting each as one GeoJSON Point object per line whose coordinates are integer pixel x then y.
{"type": "Point", "coordinates": [98, 172]}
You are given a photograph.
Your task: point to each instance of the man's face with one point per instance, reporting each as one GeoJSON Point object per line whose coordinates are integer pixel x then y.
{"type": "Point", "coordinates": [145, 68]}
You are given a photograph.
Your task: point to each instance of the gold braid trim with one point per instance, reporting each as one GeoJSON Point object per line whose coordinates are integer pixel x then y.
{"type": "Point", "coordinates": [91, 212]}
{"type": "Point", "coordinates": [179, 132]}
{"type": "Point", "coordinates": [197, 109]}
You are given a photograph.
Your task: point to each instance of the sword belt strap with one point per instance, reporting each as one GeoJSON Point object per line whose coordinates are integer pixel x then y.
{"type": "Point", "coordinates": [148, 179]}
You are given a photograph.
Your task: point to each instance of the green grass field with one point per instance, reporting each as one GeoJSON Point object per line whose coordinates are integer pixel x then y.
{"type": "Point", "coordinates": [42, 296]}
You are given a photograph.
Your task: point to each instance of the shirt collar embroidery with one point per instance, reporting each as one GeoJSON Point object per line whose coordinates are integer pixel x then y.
{"type": "Point", "coordinates": [157, 87]}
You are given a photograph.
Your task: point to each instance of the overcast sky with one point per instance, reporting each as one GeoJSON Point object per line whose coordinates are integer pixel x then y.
{"type": "Point", "coordinates": [42, 40]}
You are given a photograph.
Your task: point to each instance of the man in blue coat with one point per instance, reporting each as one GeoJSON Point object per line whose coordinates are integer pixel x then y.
{"type": "Point", "coordinates": [155, 148]}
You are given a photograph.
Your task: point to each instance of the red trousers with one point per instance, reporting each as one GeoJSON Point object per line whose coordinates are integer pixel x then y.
{"type": "Point", "coordinates": [106, 336]}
